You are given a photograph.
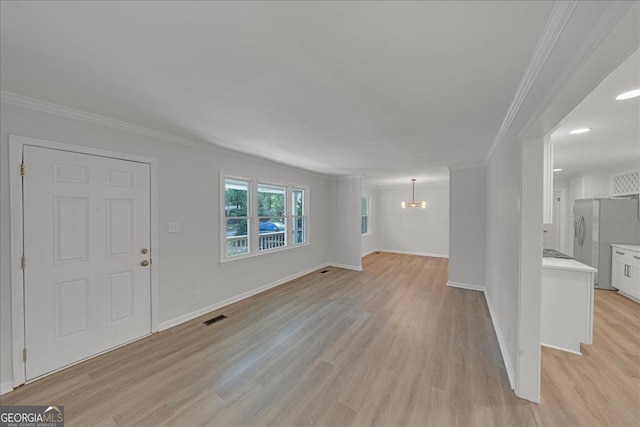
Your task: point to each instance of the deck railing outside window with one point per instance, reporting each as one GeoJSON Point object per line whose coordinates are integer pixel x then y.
{"type": "Point", "coordinates": [271, 240]}
{"type": "Point", "coordinates": [237, 245]}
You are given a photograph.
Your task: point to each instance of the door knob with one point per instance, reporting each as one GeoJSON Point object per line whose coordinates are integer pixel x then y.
{"type": "Point", "coordinates": [144, 263]}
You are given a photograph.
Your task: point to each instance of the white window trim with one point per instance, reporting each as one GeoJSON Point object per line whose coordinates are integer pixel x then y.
{"type": "Point", "coordinates": [254, 219]}
{"type": "Point", "coordinates": [368, 197]}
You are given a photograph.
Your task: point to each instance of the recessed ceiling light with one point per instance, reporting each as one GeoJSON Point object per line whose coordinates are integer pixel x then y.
{"type": "Point", "coordinates": [628, 95]}
{"type": "Point", "coordinates": [557, 170]}
{"type": "Point", "coordinates": [581, 130]}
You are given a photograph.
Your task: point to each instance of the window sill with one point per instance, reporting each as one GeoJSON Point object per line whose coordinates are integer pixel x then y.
{"type": "Point", "coordinates": [262, 253]}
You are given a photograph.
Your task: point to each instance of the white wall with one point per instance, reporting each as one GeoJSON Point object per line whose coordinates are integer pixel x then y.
{"type": "Point", "coordinates": [467, 229]}
{"type": "Point", "coordinates": [414, 230]}
{"type": "Point", "coordinates": [503, 246]}
{"type": "Point", "coordinates": [597, 183]}
{"type": "Point", "coordinates": [567, 238]}
{"type": "Point", "coordinates": [188, 193]}
{"type": "Point", "coordinates": [345, 216]}
{"type": "Point", "coordinates": [528, 356]}
{"type": "Point", "coordinates": [370, 241]}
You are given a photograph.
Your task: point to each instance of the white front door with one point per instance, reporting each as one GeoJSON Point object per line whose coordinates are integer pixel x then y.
{"type": "Point", "coordinates": [86, 238]}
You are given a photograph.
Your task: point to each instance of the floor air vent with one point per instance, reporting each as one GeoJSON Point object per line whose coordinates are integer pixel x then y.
{"type": "Point", "coordinates": [324, 271]}
{"type": "Point", "coordinates": [214, 320]}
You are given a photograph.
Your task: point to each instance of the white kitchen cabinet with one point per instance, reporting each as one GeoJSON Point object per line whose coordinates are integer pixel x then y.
{"type": "Point", "coordinates": [566, 304]}
{"type": "Point", "coordinates": [625, 270]}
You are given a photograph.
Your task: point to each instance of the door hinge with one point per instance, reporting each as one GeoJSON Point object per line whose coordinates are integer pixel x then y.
{"type": "Point", "coordinates": [22, 169]}
{"type": "Point", "coordinates": [23, 262]}
{"type": "Point", "coordinates": [24, 354]}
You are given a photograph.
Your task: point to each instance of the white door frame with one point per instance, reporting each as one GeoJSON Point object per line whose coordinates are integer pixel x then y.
{"type": "Point", "coordinates": [16, 143]}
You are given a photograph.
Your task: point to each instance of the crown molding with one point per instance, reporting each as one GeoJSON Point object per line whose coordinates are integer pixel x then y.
{"type": "Point", "coordinates": [615, 12]}
{"type": "Point", "coordinates": [72, 113]}
{"type": "Point", "coordinates": [560, 15]}
{"type": "Point", "coordinates": [83, 116]}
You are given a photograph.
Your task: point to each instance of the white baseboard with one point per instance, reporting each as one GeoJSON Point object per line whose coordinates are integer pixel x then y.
{"type": "Point", "coordinates": [561, 349]}
{"type": "Point", "coordinates": [204, 310]}
{"type": "Point", "coordinates": [501, 343]}
{"type": "Point", "coordinates": [631, 297]}
{"type": "Point", "coordinates": [394, 251]}
{"type": "Point", "coordinates": [368, 253]}
{"type": "Point", "coordinates": [345, 266]}
{"type": "Point", "coordinates": [469, 286]}
{"type": "Point", "coordinates": [6, 387]}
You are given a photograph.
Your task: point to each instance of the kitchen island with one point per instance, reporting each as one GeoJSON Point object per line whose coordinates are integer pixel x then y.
{"type": "Point", "coordinates": [566, 304]}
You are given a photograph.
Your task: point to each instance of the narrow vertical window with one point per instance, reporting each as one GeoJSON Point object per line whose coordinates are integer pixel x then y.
{"type": "Point", "coordinates": [272, 228]}
{"type": "Point", "coordinates": [236, 212]}
{"type": "Point", "coordinates": [364, 225]}
{"type": "Point", "coordinates": [299, 228]}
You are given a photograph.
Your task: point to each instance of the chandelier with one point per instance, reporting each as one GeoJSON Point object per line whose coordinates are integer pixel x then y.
{"type": "Point", "coordinates": [413, 203]}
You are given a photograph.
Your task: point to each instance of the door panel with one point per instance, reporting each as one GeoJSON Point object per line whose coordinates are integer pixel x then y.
{"type": "Point", "coordinates": [70, 234]}
{"type": "Point", "coordinates": [121, 300]}
{"type": "Point", "coordinates": [86, 218]}
{"type": "Point", "coordinates": [71, 307]}
{"type": "Point", "coordinates": [119, 227]}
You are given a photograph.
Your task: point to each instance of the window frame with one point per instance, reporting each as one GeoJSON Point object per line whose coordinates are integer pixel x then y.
{"type": "Point", "coordinates": [253, 231]}
{"type": "Point", "coordinates": [258, 183]}
{"type": "Point", "coordinates": [368, 215]}
{"type": "Point", "coordinates": [224, 217]}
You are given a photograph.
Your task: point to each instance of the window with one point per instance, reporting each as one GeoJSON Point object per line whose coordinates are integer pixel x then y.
{"type": "Point", "coordinates": [364, 227]}
{"type": "Point", "coordinates": [260, 217]}
{"type": "Point", "coordinates": [236, 213]}
{"type": "Point", "coordinates": [272, 205]}
{"type": "Point", "coordinates": [298, 215]}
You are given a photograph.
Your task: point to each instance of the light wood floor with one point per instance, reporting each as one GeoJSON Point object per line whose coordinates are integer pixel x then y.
{"type": "Point", "coordinates": [601, 387]}
{"type": "Point", "coordinates": [391, 345]}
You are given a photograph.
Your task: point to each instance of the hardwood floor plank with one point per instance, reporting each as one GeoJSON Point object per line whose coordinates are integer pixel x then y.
{"type": "Point", "coordinates": [389, 346]}
{"type": "Point", "coordinates": [600, 387]}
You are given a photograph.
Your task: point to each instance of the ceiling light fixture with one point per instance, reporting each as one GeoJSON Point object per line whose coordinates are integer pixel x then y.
{"type": "Point", "coordinates": [628, 95]}
{"type": "Point", "coordinates": [413, 203]}
{"type": "Point", "coordinates": [557, 170]}
{"type": "Point", "coordinates": [579, 131]}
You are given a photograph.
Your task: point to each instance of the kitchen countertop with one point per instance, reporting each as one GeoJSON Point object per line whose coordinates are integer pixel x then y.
{"type": "Point", "coordinates": [635, 248]}
{"type": "Point", "coordinates": [566, 264]}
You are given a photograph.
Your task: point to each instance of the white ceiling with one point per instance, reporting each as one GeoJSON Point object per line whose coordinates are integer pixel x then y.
{"type": "Point", "coordinates": [614, 139]}
{"type": "Point", "coordinates": [385, 90]}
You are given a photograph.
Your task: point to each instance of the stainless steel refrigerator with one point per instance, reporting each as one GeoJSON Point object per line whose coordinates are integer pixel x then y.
{"type": "Point", "coordinates": [597, 224]}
